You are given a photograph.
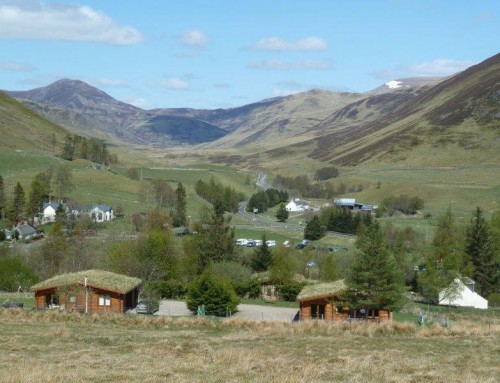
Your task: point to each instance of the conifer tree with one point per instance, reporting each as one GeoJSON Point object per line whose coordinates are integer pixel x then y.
{"type": "Point", "coordinates": [19, 202]}
{"type": "Point", "coordinates": [180, 205]}
{"type": "Point", "coordinates": [479, 253]}
{"type": "Point", "coordinates": [375, 281]}
{"type": "Point", "coordinates": [2, 198]}
{"type": "Point", "coordinates": [282, 214]}
{"type": "Point", "coordinates": [314, 229]}
{"type": "Point", "coordinates": [444, 261]}
{"type": "Point", "coordinates": [262, 257]}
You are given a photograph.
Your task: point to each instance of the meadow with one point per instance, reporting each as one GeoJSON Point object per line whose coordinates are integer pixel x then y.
{"type": "Point", "coordinates": [51, 347]}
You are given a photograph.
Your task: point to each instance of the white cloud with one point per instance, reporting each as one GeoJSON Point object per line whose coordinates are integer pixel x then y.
{"type": "Point", "coordinates": [194, 38]}
{"type": "Point", "coordinates": [171, 84]}
{"type": "Point", "coordinates": [42, 79]}
{"type": "Point", "coordinates": [279, 44]}
{"type": "Point", "coordinates": [436, 68]}
{"type": "Point", "coordinates": [287, 65]}
{"type": "Point", "coordinates": [16, 67]}
{"type": "Point", "coordinates": [440, 67]}
{"type": "Point", "coordinates": [111, 83]}
{"type": "Point", "coordinates": [139, 102]}
{"type": "Point", "coordinates": [286, 88]}
{"type": "Point", "coordinates": [34, 20]}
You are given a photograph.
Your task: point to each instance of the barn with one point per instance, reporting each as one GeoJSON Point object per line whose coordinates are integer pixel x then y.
{"type": "Point", "coordinates": [91, 291]}
{"type": "Point", "coordinates": [323, 301]}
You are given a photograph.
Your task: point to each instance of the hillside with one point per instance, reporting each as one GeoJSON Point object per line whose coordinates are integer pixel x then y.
{"type": "Point", "coordinates": [23, 129]}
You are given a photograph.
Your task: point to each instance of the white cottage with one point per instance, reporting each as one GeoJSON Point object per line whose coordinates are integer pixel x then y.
{"type": "Point", "coordinates": [462, 294]}
{"type": "Point", "coordinates": [49, 210]}
{"type": "Point", "coordinates": [101, 213]}
{"type": "Point", "coordinates": [297, 204]}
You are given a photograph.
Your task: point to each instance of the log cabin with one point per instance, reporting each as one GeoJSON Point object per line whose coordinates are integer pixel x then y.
{"type": "Point", "coordinates": [91, 291]}
{"type": "Point", "coordinates": [323, 301]}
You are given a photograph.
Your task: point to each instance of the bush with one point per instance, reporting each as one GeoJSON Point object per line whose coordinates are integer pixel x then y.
{"type": "Point", "coordinates": [171, 289]}
{"type": "Point", "coordinates": [326, 173]}
{"type": "Point", "coordinates": [248, 289]}
{"type": "Point", "coordinates": [494, 300]}
{"type": "Point", "coordinates": [14, 273]}
{"type": "Point", "coordinates": [215, 293]}
{"type": "Point", "coordinates": [288, 292]}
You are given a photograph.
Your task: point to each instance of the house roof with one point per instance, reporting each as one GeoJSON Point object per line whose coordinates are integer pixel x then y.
{"type": "Point", "coordinates": [105, 280]}
{"type": "Point", "coordinates": [54, 205]}
{"type": "Point", "coordinates": [298, 202]}
{"type": "Point", "coordinates": [25, 230]}
{"type": "Point", "coordinates": [321, 290]}
{"type": "Point", "coordinates": [101, 207]}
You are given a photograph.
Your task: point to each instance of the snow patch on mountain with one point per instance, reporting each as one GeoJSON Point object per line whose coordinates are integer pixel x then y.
{"type": "Point", "coordinates": [394, 84]}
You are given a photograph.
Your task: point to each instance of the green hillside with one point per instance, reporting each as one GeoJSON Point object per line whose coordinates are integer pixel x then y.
{"type": "Point", "coordinates": [23, 129]}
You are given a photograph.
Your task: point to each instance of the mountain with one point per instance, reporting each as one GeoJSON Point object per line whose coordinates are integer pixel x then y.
{"type": "Point", "coordinates": [89, 111]}
{"type": "Point", "coordinates": [457, 118]}
{"type": "Point", "coordinates": [404, 83]}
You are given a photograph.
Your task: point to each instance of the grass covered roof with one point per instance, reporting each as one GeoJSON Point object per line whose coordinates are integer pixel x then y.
{"type": "Point", "coordinates": [321, 290]}
{"type": "Point", "coordinates": [105, 280]}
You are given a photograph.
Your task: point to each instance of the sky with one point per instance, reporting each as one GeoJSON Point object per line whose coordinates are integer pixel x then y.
{"type": "Point", "coordinates": [222, 54]}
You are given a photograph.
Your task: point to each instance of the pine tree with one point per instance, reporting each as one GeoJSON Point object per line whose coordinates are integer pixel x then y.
{"type": "Point", "coordinates": [314, 229]}
{"type": "Point", "coordinates": [39, 193]}
{"type": "Point", "coordinates": [444, 261]}
{"type": "Point", "coordinates": [19, 202]}
{"type": "Point", "coordinates": [217, 242]}
{"type": "Point", "coordinates": [375, 281]}
{"type": "Point", "coordinates": [282, 214]}
{"type": "Point", "coordinates": [180, 206]}
{"type": "Point", "coordinates": [479, 252]}
{"type": "Point", "coordinates": [262, 257]}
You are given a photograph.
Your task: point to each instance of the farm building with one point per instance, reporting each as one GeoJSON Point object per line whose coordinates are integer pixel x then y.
{"type": "Point", "coordinates": [322, 301]}
{"type": "Point", "coordinates": [297, 204]}
{"type": "Point", "coordinates": [91, 291]}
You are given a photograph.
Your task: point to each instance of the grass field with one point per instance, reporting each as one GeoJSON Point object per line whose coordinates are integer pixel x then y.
{"type": "Point", "coordinates": [53, 347]}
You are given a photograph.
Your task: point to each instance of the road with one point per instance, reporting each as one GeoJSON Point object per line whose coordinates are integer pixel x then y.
{"type": "Point", "coordinates": [245, 311]}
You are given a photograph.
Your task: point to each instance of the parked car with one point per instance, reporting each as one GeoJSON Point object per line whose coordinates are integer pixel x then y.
{"type": "Point", "coordinates": [11, 304]}
{"type": "Point", "coordinates": [300, 246]}
{"type": "Point", "coordinates": [147, 307]}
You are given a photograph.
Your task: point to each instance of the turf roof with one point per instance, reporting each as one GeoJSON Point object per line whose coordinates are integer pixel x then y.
{"type": "Point", "coordinates": [105, 280]}
{"type": "Point", "coordinates": [321, 290]}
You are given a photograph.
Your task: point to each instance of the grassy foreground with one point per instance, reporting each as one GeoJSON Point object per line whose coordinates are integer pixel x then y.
{"type": "Point", "coordinates": [56, 347]}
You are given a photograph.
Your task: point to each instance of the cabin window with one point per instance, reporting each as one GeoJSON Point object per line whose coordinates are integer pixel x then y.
{"type": "Point", "coordinates": [72, 298]}
{"type": "Point", "coordinates": [104, 300]}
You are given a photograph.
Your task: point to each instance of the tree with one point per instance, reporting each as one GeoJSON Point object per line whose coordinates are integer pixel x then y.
{"type": "Point", "coordinates": [375, 281]}
{"type": "Point", "coordinates": [262, 256]}
{"type": "Point", "coordinates": [326, 173]}
{"type": "Point", "coordinates": [216, 294]}
{"type": "Point", "coordinates": [180, 206]}
{"type": "Point", "coordinates": [283, 266]}
{"type": "Point", "coordinates": [314, 229]}
{"type": "Point", "coordinates": [444, 261]}
{"type": "Point", "coordinates": [19, 202]}
{"type": "Point", "coordinates": [216, 243]}
{"type": "Point", "coordinates": [328, 270]}
{"type": "Point", "coordinates": [14, 273]}
{"type": "Point", "coordinates": [282, 214]}
{"type": "Point", "coordinates": [40, 189]}
{"type": "Point", "coordinates": [163, 194]}
{"type": "Point", "coordinates": [479, 253]}
{"type": "Point", "coordinates": [63, 181]}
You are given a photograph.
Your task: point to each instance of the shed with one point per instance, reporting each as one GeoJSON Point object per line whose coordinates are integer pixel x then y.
{"type": "Point", "coordinates": [91, 291]}
{"type": "Point", "coordinates": [323, 301]}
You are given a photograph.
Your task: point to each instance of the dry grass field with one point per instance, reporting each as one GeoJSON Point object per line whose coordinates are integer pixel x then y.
{"type": "Point", "coordinates": [55, 347]}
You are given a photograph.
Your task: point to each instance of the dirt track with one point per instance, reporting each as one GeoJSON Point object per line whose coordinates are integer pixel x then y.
{"type": "Point", "coordinates": [251, 312]}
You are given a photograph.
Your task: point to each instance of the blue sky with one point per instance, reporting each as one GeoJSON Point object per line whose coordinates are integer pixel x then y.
{"type": "Point", "coordinates": [219, 54]}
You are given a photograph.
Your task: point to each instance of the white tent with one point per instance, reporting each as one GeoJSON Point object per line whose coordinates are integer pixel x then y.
{"type": "Point", "coordinates": [460, 294]}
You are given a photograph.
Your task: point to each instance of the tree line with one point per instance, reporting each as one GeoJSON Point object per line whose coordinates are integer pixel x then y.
{"type": "Point", "coordinates": [265, 199]}
{"type": "Point", "coordinates": [308, 189]}
{"type": "Point", "coordinates": [213, 191]}
{"type": "Point", "coordinates": [78, 147]}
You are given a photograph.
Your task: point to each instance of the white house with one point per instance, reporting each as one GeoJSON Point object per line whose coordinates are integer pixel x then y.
{"type": "Point", "coordinates": [49, 210]}
{"type": "Point", "coordinates": [297, 205]}
{"type": "Point", "coordinates": [101, 213]}
{"type": "Point", "coordinates": [462, 294]}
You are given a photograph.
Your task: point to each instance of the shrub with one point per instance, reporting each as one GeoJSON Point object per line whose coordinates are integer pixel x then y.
{"type": "Point", "coordinates": [289, 291]}
{"type": "Point", "coordinates": [215, 293]}
{"type": "Point", "coordinates": [494, 300]}
{"type": "Point", "coordinates": [14, 273]}
{"type": "Point", "coordinates": [326, 173]}
{"type": "Point", "coordinates": [171, 289]}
